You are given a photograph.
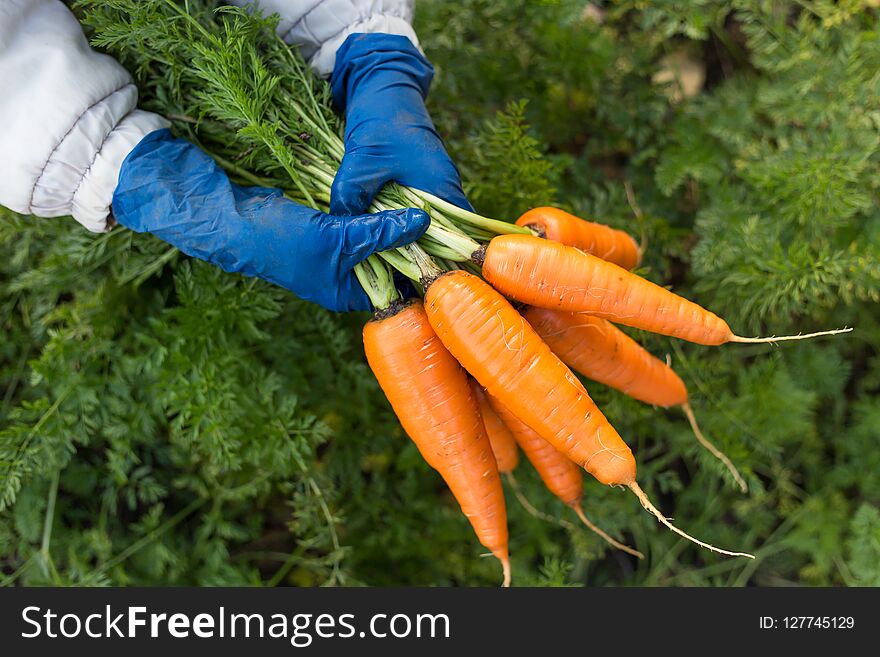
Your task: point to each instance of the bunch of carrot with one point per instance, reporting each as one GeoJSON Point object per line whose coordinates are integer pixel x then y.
{"type": "Point", "coordinates": [570, 278]}
{"type": "Point", "coordinates": [526, 308]}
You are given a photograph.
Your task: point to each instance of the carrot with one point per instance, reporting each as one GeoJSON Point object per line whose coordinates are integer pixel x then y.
{"type": "Point", "coordinates": [602, 352]}
{"type": "Point", "coordinates": [505, 355]}
{"type": "Point", "coordinates": [551, 275]}
{"type": "Point", "coordinates": [561, 476]}
{"type": "Point", "coordinates": [602, 241]}
{"type": "Point", "coordinates": [500, 438]}
{"type": "Point", "coordinates": [430, 395]}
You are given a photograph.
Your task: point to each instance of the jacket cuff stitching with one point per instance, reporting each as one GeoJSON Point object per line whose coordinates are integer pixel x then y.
{"type": "Point", "coordinates": [95, 157]}
{"type": "Point", "coordinates": [66, 135]}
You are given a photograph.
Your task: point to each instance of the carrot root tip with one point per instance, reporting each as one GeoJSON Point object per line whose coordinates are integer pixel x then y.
{"type": "Point", "coordinates": [604, 535]}
{"type": "Point", "coordinates": [505, 567]}
{"type": "Point", "coordinates": [649, 506]}
{"type": "Point", "coordinates": [528, 506]}
{"type": "Point", "coordinates": [783, 338]}
{"type": "Point", "coordinates": [717, 453]}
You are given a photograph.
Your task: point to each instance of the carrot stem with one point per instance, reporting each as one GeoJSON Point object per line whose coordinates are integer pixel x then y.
{"type": "Point", "coordinates": [455, 240]}
{"type": "Point", "coordinates": [494, 226]}
{"type": "Point", "coordinates": [604, 535]}
{"type": "Point", "coordinates": [398, 259]}
{"type": "Point", "coordinates": [428, 269]}
{"type": "Point", "coordinates": [376, 280]}
{"type": "Point", "coordinates": [436, 248]}
{"type": "Point", "coordinates": [443, 238]}
{"type": "Point", "coordinates": [717, 453]}
{"type": "Point", "coordinates": [643, 498]}
{"type": "Point", "coordinates": [799, 336]}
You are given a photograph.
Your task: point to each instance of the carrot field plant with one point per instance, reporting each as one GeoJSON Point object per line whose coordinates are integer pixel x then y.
{"type": "Point", "coordinates": [164, 422]}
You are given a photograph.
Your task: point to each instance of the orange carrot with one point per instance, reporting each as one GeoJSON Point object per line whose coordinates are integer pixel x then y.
{"type": "Point", "coordinates": [561, 476]}
{"type": "Point", "coordinates": [602, 352]}
{"type": "Point", "coordinates": [500, 438]}
{"type": "Point", "coordinates": [551, 275]}
{"type": "Point", "coordinates": [505, 355]}
{"type": "Point", "coordinates": [602, 241]}
{"type": "Point", "coordinates": [430, 395]}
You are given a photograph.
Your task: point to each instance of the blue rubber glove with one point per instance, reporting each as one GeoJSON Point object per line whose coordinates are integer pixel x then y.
{"type": "Point", "coordinates": [172, 189]}
{"type": "Point", "coordinates": [380, 81]}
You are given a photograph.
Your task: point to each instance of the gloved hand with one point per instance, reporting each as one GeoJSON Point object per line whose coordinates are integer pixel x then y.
{"type": "Point", "coordinates": [172, 189]}
{"type": "Point", "coordinates": [380, 81]}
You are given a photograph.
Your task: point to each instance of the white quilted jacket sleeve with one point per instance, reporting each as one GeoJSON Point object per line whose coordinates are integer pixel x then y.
{"type": "Point", "coordinates": [319, 27]}
{"type": "Point", "coordinates": [68, 116]}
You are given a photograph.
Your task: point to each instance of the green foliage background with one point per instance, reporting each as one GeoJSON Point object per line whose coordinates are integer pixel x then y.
{"type": "Point", "coordinates": [162, 422]}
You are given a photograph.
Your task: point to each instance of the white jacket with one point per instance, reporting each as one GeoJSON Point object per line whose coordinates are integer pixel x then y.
{"type": "Point", "coordinates": [68, 114]}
